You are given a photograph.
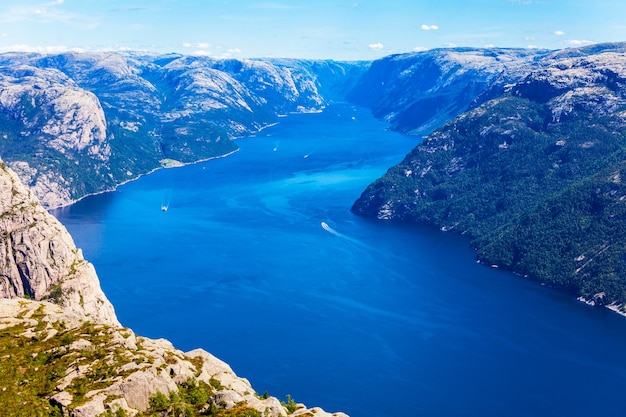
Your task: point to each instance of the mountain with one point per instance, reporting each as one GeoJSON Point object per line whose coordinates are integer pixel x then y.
{"type": "Point", "coordinates": [75, 124]}
{"type": "Point", "coordinates": [533, 176]}
{"type": "Point", "coordinates": [64, 353]}
{"type": "Point", "coordinates": [81, 123]}
{"type": "Point", "coordinates": [418, 92]}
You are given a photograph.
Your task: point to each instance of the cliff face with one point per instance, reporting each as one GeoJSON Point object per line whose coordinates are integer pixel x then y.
{"type": "Point", "coordinates": [39, 258]}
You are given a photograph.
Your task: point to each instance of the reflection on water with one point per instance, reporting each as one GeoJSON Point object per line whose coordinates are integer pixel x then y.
{"type": "Point", "coordinates": [372, 319]}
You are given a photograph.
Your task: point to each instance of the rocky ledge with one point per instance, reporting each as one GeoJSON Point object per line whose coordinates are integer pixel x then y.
{"type": "Point", "coordinates": [54, 362]}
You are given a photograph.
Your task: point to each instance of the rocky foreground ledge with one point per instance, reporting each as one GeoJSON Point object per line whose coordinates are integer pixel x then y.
{"type": "Point", "coordinates": [63, 351]}
{"type": "Point", "coordinates": [54, 362]}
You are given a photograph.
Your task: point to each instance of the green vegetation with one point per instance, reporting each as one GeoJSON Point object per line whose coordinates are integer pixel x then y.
{"type": "Point", "coordinates": [542, 198]}
{"type": "Point", "coordinates": [194, 398]}
{"type": "Point", "coordinates": [38, 359]}
{"type": "Point", "coordinates": [56, 294]}
{"type": "Point", "coordinates": [290, 404]}
{"type": "Point", "coordinates": [33, 366]}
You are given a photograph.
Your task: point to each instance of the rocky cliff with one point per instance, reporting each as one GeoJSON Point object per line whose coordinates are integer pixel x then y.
{"type": "Point", "coordinates": [39, 258]}
{"type": "Point", "coordinates": [68, 354]}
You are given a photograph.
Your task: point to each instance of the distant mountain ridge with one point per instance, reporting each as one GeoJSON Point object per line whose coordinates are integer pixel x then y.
{"type": "Point", "coordinates": [75, 124]}
{"type": "Point", "coordinates": [533, 175]}
{"type": "Point", "coordinates": [80, 123]}
{"type": "Point", "coordinates": [418, 92]}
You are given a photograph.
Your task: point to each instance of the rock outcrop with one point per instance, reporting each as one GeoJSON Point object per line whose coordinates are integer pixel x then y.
{"type": "Point", "coordinates": [39, 258]}
{"type": "Point", "coordinates": [82, 369]}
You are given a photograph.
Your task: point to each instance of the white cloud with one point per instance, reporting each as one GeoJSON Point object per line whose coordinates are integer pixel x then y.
{"type": "Point", "coordinates": [429, 27]}
{"type": "Point", "coordinates": [578, 42]}
{"type": "Point", "coordinates": [230, 52]}
{"type": "Point", "coordinates": [489, 45]}
{"type": "Point", "coordinates": [51, 12]}
{"type": "Point", "coordinates": [197, 45]}
{"type": "Point", "coordinates": [201, 52]}
{"type": "Point", "coordinates": [376, 46]}
{"type": "Point", "coordinates": [420, 49]}
{"type": "Point", "coordinates": [559, 33]}
{"type": "Point", "coordinates": [52, 49]}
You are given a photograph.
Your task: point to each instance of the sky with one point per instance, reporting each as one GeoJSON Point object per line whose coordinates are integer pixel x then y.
{"type": "Point", "coordinates": [315, 29]}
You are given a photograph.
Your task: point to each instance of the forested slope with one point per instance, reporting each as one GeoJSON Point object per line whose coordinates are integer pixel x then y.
{"type": "Point", "coordinates": [533, 176]}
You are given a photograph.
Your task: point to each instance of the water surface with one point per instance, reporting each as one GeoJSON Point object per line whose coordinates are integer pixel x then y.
{"type": "Point", "coordinates": [369, 318]}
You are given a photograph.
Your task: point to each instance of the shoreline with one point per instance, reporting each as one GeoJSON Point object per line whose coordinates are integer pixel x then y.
{"type": "Point", "coordinates": [176, 165]}
{"type": "Point", "coordinates": [614, 307]}
{"type": "Point", "coordinates": [179, 164]}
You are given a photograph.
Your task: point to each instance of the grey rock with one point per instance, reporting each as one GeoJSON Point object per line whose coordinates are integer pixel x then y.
{"type": "Point", "coordinates": [145, 367]}
{"type": "Point", "coordinates": [40, 259]}
{"type": "Point", "coordinates": [94, 407]}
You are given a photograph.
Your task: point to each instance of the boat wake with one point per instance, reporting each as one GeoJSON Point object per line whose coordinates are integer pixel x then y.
{"type": "Point", "coordinates": [166, 200]}
{"type": "Point", "coordinates": [352, 240]}
{"type": "Point", "coordinates": [329, 229]}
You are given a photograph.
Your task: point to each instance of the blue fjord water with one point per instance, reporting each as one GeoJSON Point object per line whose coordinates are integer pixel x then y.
{"type": "Point", "coordinates": [370, 318]}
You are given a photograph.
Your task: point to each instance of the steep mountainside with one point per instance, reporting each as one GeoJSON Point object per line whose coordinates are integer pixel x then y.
{"type": "Point", "coordinates": [418, 92]}
{"type": "Point", "coordinates": [68, 355]}
{"type": "Point", "coordinates": [39, 258]}
{"type": "Point", "coordinates": [534, 176]}
{"type": "Point", "coordinates": [78, 123]}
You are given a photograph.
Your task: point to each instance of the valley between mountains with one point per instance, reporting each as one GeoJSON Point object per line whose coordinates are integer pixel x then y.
{"type": "Point", "coordinates": [523, 151]}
